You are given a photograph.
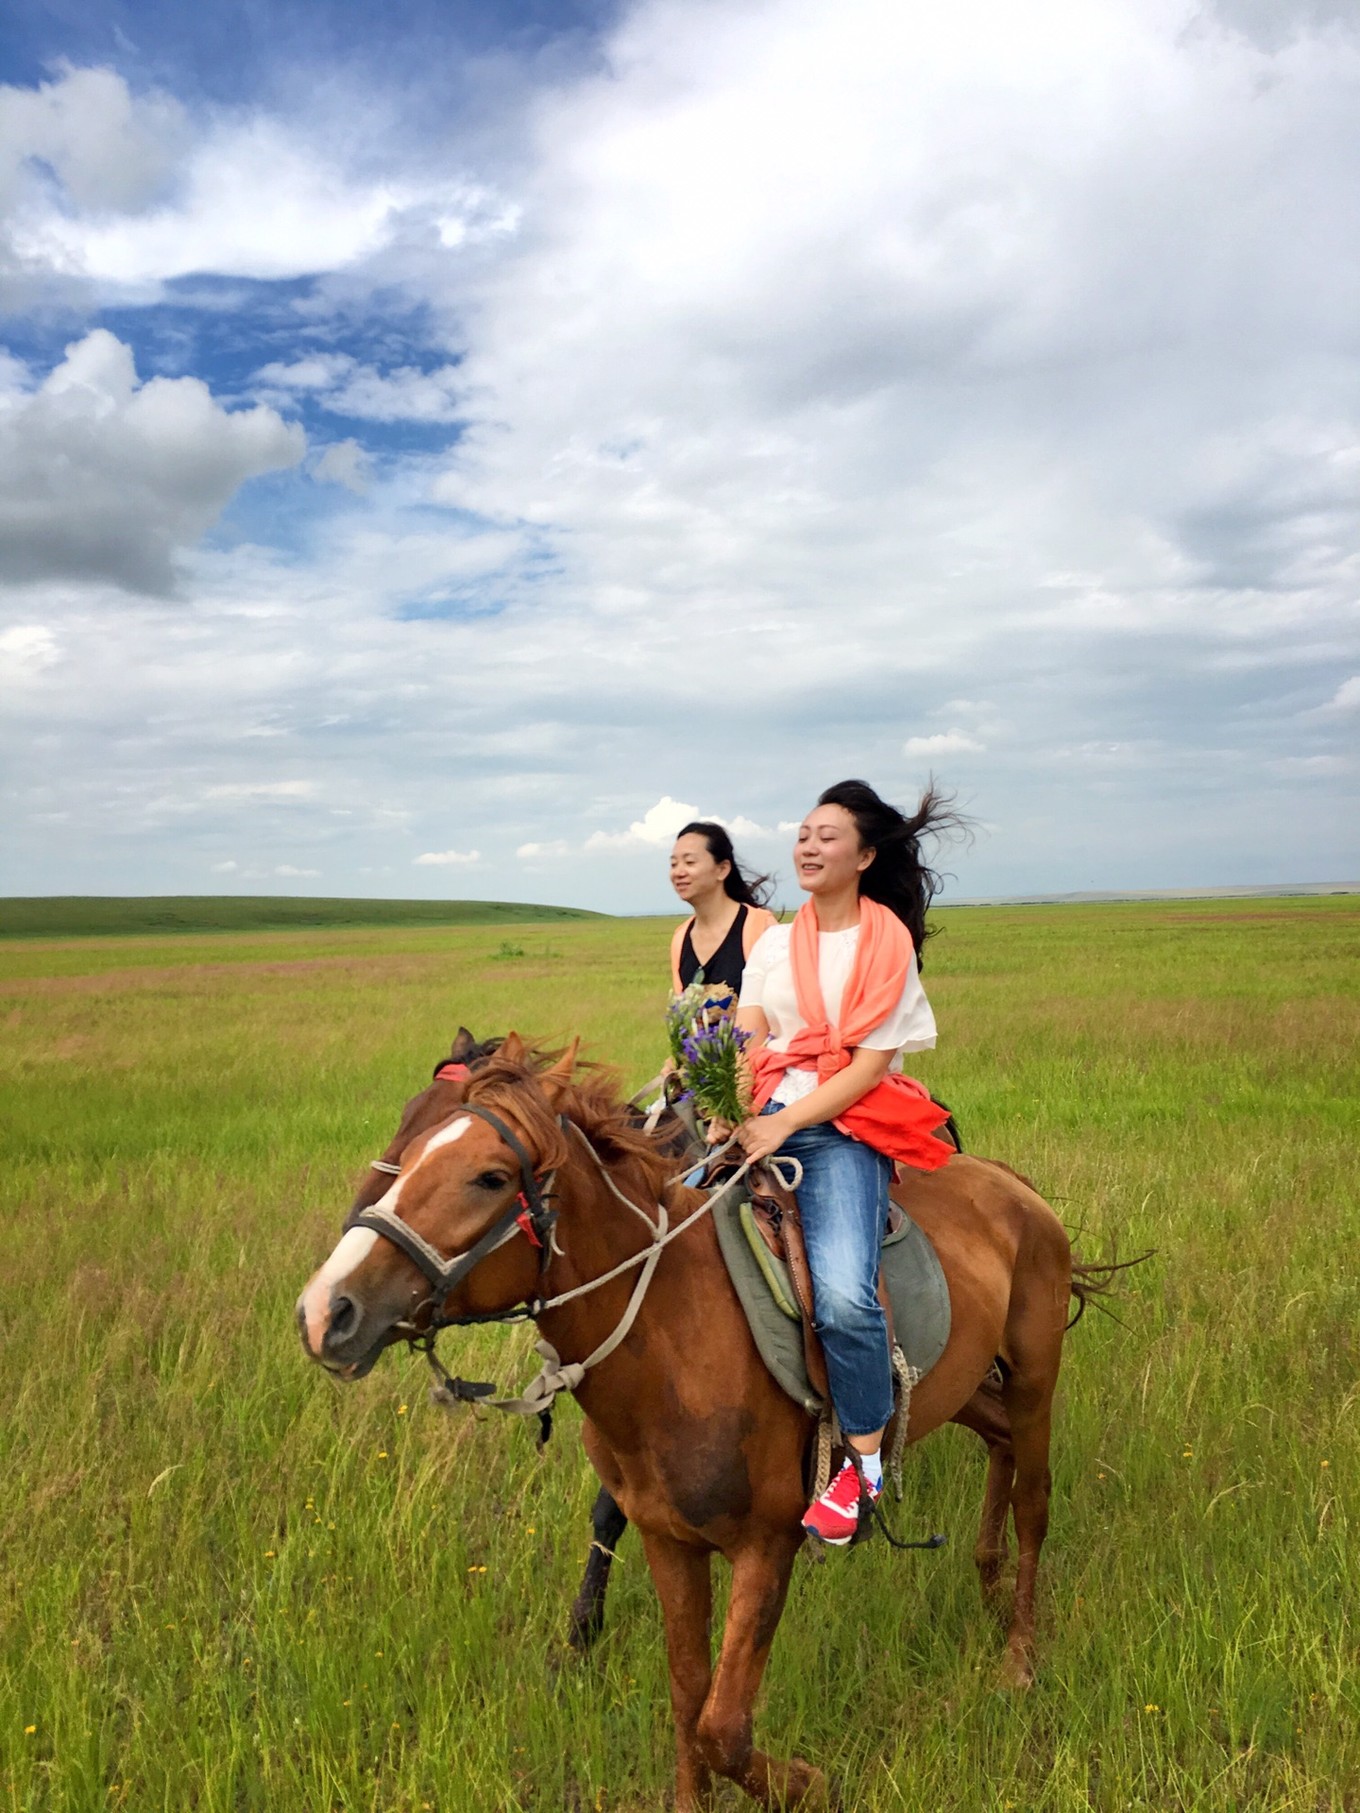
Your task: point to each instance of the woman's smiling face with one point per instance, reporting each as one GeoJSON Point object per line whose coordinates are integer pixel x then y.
{"type": "Point", "coordinates": [828, 856]}
{"type": "Point", "coordinates": [694, 873]}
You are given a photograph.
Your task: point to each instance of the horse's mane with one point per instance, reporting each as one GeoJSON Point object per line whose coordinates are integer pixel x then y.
{"type": "Point", "coordinates": [593, 1101]}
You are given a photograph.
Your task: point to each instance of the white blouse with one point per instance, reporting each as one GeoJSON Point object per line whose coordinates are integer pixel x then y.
{"type": "Point", "coordinates": [768, 984]}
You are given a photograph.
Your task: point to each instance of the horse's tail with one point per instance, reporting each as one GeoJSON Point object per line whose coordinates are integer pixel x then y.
{"type": "Point", "coordinates": [1091, 1282]}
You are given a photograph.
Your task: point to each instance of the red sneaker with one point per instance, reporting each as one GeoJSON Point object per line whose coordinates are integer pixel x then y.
{"type": "Point", "coordinates": [834, 1517]}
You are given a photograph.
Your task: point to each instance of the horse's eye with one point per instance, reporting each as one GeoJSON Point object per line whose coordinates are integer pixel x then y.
{"type": "Point", "coordinates": [490, 1180]}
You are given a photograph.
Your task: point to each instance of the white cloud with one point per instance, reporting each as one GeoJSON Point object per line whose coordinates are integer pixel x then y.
{"type": "Point", "coordinates": [555, 847]}
{"type": "Point", "coordinates": [314, 220]}
{"type": "Point", "coordinates": [286, 868]}
{"type": "Point", "coordinates": [946, 742]}
{"type": "Point", "coordinates": [345, 463]}
{"type": "Point", "coordinates": [105, 478]}
{"type": "Point", "coordinates": [346, 387]}
{"type": "Point", "coordinates": [125, 192]}
{"type": "Point", "coordinates": [107, 148]}
{"type": "Point", "coordinates": [26, 649]}
{"type": "Point", "coordinates": [439, 859]}
{"type": "Point", "coordinates": [317, 371]}
{"type": "Point", "coordinates": [1345, 699]}
{"type": "Point", "coordinates": [658, 825]}
{"type": "Point", "coordinates": [225, 868]}
{"type": "Point", "coordinates": [844, 371]}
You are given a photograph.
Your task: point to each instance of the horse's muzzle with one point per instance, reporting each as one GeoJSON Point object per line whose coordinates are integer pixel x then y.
{"type": "Point", "coordinates": [342, 1334]}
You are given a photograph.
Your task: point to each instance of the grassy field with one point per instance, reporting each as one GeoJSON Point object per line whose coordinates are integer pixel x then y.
{"type": "Point", "coordinates": [228, 1585]}
{"type": "Point", "coordinates": [104, 915]}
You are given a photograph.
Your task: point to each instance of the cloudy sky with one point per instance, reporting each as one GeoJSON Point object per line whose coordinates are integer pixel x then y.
{"type": "Point", "coordinates": [442, 447]}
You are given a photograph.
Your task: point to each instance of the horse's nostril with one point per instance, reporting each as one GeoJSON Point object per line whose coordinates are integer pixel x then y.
{"type": "Point", "coordinates": [345, 1317]}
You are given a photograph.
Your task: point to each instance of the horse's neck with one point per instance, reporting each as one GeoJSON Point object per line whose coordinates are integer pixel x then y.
{"type": "Point", "coordinates": [595, 1233]}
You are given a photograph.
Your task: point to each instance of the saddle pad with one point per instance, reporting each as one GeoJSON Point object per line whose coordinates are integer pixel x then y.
{"type": "Point", "coordinates": [916, 1286]}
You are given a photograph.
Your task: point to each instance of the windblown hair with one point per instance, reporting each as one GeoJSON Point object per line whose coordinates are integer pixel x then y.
{"type": "Point", "coordinates": [899, 876]}
{"type": "Point", "coordinates": [593, 1102]}
{"type": "Point", "coordinates": [739, 884]}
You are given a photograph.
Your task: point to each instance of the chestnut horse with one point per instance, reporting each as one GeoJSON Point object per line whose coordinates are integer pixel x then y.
{"type": "Point", "coordinates": [683, 1423]}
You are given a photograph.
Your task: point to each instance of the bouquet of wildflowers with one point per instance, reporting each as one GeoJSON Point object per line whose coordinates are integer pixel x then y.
{"type": "Point", "coordinates": [707, 1045]}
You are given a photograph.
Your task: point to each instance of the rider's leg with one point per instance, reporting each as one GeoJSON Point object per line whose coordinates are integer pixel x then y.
{"type": "Point", "coordinates": [843, 1203]}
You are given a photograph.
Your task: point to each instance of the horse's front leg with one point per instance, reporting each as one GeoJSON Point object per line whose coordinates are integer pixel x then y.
{"type": "Point", "coordinates": [760, 1581]}
{"type": "Point", "coordinates": [607, 1523]}
{"type": "Point", "coordinates": [684, 1585]}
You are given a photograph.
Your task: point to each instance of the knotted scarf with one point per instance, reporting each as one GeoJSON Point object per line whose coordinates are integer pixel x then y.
{"type": "Point", "coordinates": [895, 1117]}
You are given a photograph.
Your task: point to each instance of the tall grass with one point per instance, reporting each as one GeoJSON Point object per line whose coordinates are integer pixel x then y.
{"type": "Point", "coordinates": [228, 1585]}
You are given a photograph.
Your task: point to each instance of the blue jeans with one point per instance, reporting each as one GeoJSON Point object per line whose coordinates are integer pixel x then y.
{"type": "Point", "coordinates": [843, 1200]}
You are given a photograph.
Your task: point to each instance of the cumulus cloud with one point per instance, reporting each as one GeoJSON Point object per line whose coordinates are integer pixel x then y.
{"type": "Point", "coordinates": [658, 825]}
{"type": "Point", "coordinates": [837, 374]}
{"type": "Point", "coordinates": [287, 868]}
{"type": "Point", "coordinates": [443, 859]}
{"type": "Point", "coordinates": [124, 192]}
{"type": "Point", "coordinates": [103, 477]}
{"type": "Point", "coordinates": [109, 150]}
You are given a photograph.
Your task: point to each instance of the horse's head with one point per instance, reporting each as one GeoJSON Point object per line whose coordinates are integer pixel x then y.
{"type": "Point", "coordinates": [470, 1158]}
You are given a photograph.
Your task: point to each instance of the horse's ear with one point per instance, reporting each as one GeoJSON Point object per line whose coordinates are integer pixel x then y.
{"type": "Point", "coordinates": [556, 1077]}
{"type": "Point", "coordinates": [464, 1047]}
{"type": "Point", "coordinates": [514, 1048]}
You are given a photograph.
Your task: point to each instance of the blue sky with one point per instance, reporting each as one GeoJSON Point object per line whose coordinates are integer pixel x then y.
{"type": "Point", "coordinates": [442, 450]}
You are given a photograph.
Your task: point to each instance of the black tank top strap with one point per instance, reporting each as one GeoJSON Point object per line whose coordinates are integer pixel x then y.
{"type": "Point", "coordinates": [725, 965]}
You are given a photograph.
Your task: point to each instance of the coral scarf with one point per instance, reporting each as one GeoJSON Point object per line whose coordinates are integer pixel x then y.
{"type": "Point", "coordinates": [895, 1117]}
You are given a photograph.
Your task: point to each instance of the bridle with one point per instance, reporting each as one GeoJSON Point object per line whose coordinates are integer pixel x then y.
{"type": "Point", "coordinates": [529, 1214]}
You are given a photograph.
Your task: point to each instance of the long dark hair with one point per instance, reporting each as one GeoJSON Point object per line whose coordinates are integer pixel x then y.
{"type": "Point", "coordinates": [898, 876]}
{"type": "Point", "coordinates": [740, 884]}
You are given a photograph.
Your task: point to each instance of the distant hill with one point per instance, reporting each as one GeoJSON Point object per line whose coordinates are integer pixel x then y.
{"type": "Point", "coordinates": [1273, 891]}
{"type": "Point", "coordinates": [79, 915]}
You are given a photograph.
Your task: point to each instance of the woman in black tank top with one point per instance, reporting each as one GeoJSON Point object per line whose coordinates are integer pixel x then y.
{"type": "Point", "coordinates": [707, 877]}
{"type": "Point", "coordinates": [727, 905]}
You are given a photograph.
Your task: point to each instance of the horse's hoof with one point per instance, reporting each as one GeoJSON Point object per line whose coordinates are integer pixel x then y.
{"type": "Point", "coordinates": [1017, 1672]}
{"type": "Point", "coordinates": [584, 1627]}
{"type": "Point", "coordinates": [808, 1789]}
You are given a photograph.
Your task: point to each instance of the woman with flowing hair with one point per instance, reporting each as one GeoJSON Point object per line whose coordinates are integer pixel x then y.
{"type": "Point", "coordinates": [831, 1001]}
{"type": "Point", "coordinates": [727, 908]}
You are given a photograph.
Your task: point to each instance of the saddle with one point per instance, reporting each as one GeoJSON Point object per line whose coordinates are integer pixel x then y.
{"type": "Point", "coordinates": [775, 1219]}
{"type": "Point", "coordinates": [760, 1236]}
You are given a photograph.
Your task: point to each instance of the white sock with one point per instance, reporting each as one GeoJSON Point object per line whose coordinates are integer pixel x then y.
{"type": "Point", "coordinates": [873, 1467]}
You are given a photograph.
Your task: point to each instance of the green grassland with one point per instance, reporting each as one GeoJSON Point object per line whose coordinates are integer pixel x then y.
{"type": "Point", "coordinates": [92, 915]}
{"type": "Point", "coordinates": [228, 1584]}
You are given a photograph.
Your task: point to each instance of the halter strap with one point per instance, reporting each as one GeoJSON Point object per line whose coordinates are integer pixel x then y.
{"type": "Point", "coordinates": [528, 1215]}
